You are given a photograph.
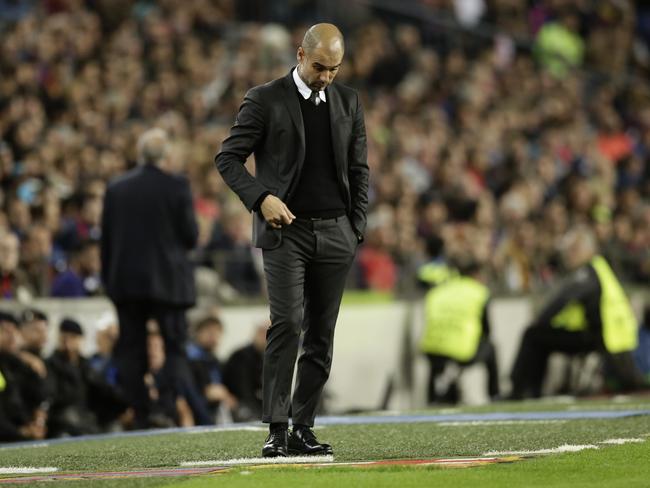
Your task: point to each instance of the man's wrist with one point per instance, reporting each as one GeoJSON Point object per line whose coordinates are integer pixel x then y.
{"type": "Point", "coordinates": [260, 200]}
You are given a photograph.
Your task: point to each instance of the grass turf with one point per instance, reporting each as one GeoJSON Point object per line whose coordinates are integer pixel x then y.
{"type": "Point", "coordinates": [608, 467]}
{"type": "Point", "coordinates": [357, 442]}
{"type": "Point", "coordinates": [362, 442]}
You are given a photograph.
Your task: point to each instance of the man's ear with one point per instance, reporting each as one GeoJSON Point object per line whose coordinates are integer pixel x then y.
{"type": "Point", "coordinates": [300, 54]}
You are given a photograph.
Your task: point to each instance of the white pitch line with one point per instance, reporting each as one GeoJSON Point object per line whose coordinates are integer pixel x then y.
{"type": "Point", "coordinates": [629, 406]}
{"type": "Point", "coordinates": [247, 428]}
{"type": "Point", "coordinates": [499, 422]}
{"type": "Point", "coordinates": [26, 470]}
{"type": "Point", "coordinates": [29, 446]}
{"type": "Point", "coordinates": [554, 450]}
{"type": "Point", "coordinates": [621, 441]}
{"type": "Point", "coordinates": [275, 460]}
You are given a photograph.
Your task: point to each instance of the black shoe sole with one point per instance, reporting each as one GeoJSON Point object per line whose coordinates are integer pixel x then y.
{"type": "Point", "coordinates": [294, 452]}
{"type": "Point", "coordinates": [273, 454]}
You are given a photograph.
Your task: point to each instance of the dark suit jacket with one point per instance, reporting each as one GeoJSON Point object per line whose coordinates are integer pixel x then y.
{"type": "Point", "coordinates": [148, 228]}
{"type": "Point", "coordinates": [270, 125]}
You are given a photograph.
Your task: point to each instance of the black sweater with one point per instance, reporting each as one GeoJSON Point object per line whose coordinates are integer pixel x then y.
{"type": "Point", "coordinates": [318, 193]}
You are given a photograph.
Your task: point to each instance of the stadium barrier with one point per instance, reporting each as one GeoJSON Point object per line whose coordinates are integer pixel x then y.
{"type": "Point", "coordinates": [376, 360]}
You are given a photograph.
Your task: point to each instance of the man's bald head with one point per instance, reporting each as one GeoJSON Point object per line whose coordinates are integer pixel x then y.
{"type": "Point", "coordinates": [323, 36]}
{"type": "Point", "coordinates": [320, 55]}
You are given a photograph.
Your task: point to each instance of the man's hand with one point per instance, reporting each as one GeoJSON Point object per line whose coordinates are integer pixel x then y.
{"type": "Point", "coordinates": [37, 427]}
{"type": "Point", "coordinates": [216, 392]}
{"type": "Point", "coordinates": [34, 362]}
{"type": "Point", "coordinates": [276, 212]}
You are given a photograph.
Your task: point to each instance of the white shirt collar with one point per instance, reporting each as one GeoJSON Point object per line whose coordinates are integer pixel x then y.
{"type": "Point", "coordinates": [304, 90]}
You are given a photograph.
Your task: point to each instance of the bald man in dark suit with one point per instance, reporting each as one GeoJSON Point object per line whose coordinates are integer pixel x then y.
{"type": "Point", "coordinates": [309, 198]}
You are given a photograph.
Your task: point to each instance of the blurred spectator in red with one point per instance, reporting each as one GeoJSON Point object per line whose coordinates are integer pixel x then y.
{"type": "Point", "coordinates": [377, 267]}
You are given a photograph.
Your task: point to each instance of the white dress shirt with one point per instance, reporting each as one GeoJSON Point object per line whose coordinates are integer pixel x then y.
{"type": "Point", "coordinates": [304, 90]}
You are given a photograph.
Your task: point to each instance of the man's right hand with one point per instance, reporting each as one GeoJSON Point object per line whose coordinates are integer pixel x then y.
{"type": "Point", "coordinates": [34, 362]}
{"type": "Point", "coordinates": [276, 212]}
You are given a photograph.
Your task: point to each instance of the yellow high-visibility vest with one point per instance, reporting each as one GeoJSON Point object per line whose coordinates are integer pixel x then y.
{"type": "Point", "coordinates": [453, 313]}
{"type": "Point", "coordinates": [619, 326]}
{"type": "Point", "coordinates": [3, 382]}
{"type": "Point", "coordinates": [436, 273]}
{"type": "Point", "coordinates": [619, 323]}
{"type": "Point", "coordinates": [572, 317]}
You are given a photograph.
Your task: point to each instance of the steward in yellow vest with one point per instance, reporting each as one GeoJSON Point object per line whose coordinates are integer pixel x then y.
{"type": "Point", "coordinates": [456, 332]}
{"type": "Point", "coordinates": [588, 312]}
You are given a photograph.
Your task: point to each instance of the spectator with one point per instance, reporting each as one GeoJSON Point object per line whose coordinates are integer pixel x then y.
{"type": "Point", "coordinates": [13, 281]}
{"type": "Point", "coordinates": [85, 224]}
{"type": "Point", "coordinates": [232, 238]}
{"type": "Point", "coordinates": [168, 406]}
{"type": "Point", "coordinates": [207, 369]}
{"type": "Point", "coordinates": [82, 278]}
{"type": "Point", "coordinates": [242, 376]}
{"type": "Point", "coordinates": [34, 378]}
{"type": "Point", "coordinates": [24, 397]}
{"type": "Point", "coordinates": [377, 265]}
{"type": "Point", "coordinates": [20, 419]}
{"type": "Point", "coordinates": [20, 217]}
{"type": "Point", "coordinates": [35, 257]}
{"type": "Point", "coordinates": [83, 401]}
{"type": "Point", "coordinates": [559, 46]}
{"type": "Point", "coordinates": [443, 116]}
{"type": "Point", "coordinates": [102, 360]}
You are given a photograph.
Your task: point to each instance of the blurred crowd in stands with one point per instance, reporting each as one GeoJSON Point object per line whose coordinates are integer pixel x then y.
{"type": "Point", "coordinates": [498, 133]}
{"type": "Point", "coordinates": [493, 127]}
{"type": "Point", "coordinates": [66, 394]}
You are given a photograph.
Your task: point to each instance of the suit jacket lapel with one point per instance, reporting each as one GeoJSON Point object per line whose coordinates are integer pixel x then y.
{"type": "Point", "coordinates": [293, 106]}
{"type": "Point", "coordinates": [336, 109]}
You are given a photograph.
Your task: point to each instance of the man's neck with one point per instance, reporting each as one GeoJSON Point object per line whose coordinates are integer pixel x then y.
{"type": "Point", "coordinates": [298, 70]}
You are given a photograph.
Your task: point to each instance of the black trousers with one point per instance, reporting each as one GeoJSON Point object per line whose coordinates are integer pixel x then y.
{"type": "Point", "coordinates": [306, 276]}
{"type": "Point", "coordinates": [131, 350]}
{"type": "Point", "coordinates": [485, 354]}
{"type": "Point", "coordinates": [538, 343]}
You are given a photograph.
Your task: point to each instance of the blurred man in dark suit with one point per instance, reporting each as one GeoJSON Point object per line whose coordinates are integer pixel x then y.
{"type": "Point", "coordinates": [148, 229]}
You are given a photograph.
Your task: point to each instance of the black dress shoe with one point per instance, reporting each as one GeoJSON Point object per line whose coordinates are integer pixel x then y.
{"type": "Point", "coordinates": [276, 444]}
{"type": "Point", "coordinates": [303, 442]}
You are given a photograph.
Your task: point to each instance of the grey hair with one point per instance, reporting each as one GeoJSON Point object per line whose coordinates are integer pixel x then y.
{"type": "Point", "coordinates": [581, 235]}
{"type": "Point", "coordinates": [152, 146]}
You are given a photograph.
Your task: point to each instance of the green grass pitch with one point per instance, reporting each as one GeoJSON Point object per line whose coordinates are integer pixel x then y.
{"type": "Point", "coordinates": [626, 465]}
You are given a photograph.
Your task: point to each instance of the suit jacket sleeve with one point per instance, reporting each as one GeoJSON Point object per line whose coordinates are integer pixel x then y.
{"type": "Point", "coordinates": [581, 284]}
{"type": "Point", "coordinates": [105, 235]}
{"type": "Point", "coordinates": [189, 232]}
{"type": "Point", "coordinates": [358, 172]}
{"type": "Point", "coordinates": [244, 137]}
